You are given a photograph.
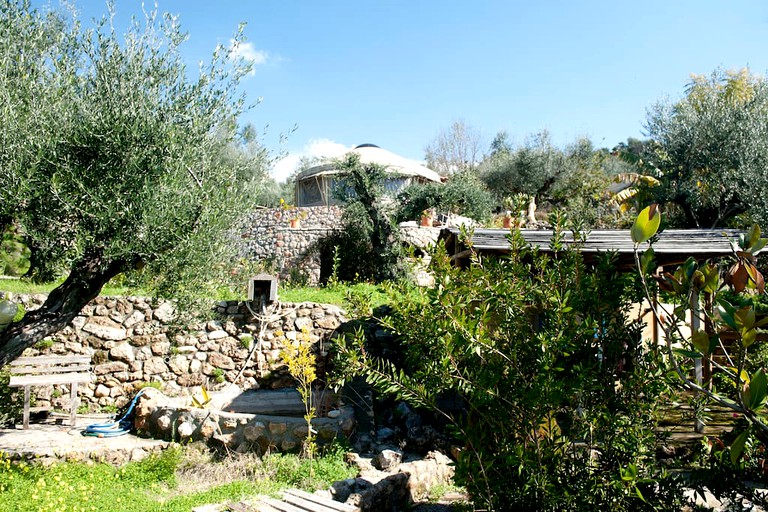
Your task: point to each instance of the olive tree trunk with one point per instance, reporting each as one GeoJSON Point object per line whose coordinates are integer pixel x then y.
{"type": "Point", "coordinates": [86, 279]}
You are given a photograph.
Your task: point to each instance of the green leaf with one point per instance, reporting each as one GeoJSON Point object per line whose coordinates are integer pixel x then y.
{"type": "Point", "coordinates": [647, 260]}
{"type": "Point", "coordinates": [753, 235]}
{"type": "Point", "coordinates": [712, 278]}
{"type": "Point", "coordinates": [646, 225]}
{"type": "Point", "coordinates": [759, 245]}
{"type": "Point", "coordinates": [758, 388]}
{"type": "Point", "coordinates": [748, 338]}
{"type": "Point", "coordinates": [700, 340]}
{"type": "Point", "coordinates": [687, 353]}
{"type": "Point", "coordinates": [738, 446]}
{"type": "Point", "coordinates": [726, 312]}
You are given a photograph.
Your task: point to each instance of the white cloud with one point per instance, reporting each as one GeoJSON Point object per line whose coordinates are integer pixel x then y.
{"type": "Point", "coordinates": [247, 52]}
{"type": "Point", "coordinates": [315, 148]}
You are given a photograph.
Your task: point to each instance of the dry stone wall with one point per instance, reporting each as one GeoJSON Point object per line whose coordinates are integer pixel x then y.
{"type": "Point", "coordinates": [133, 341]}
{"type": "Point", "coordinates": [268, 237]}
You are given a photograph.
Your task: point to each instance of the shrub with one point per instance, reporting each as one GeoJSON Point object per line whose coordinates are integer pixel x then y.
{"type": "Point", "coordinates": [463, 194]}
{"type": "Point", "coordinates": [559, 396]}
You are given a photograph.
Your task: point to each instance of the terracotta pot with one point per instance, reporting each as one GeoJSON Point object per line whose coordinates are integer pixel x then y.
{"type": "Point", "coordinates": [295, 223]}
{"type": "Point", "coordinates": [426, 221]}
{"type": "Point", "coordinates": [507, 222]}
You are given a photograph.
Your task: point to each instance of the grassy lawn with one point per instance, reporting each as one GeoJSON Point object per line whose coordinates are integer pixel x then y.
{"type": "Point", "coordinates": [176, 480]}
{"type": "Point", "coordinates": [324, 295]}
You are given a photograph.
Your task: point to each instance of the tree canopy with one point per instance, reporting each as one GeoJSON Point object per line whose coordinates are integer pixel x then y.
{"type": "Point", "coordinates": [711, 149]}
{"type": "Point", "coordinates": [114, 159]}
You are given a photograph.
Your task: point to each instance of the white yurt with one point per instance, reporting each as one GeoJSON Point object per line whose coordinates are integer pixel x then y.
{"type": "Point", "coordinates": [315, 185]}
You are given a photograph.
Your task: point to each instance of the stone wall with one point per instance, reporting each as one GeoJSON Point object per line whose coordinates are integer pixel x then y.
{"type": "Point", "coordinates": [268, 237]}
{"type": "Point", "coordinates": [134, 341]}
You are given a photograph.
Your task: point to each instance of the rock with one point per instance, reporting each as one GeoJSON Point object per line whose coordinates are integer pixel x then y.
{"type": "Point", "coordinates": [165, 312]}
{"type": "Point", "coordinates": [123, 352]}
{"type": "Point", "coordinates": [164, 423]}
{"type": "Point", "coordinates": [217, 335]}
{"type": "Point", "coordinates": [388, 460]}
{"type": "Point", "coordinates": [303, 322]}
{"type": "Point", "coordinates": [160, 348]}
{"type": "Point", "coordinates": [101, 391]}
{"type": "Point", "coordinates": [154, 366]}
{"type": "Point", "coordinates": [133, 319]}
{"type": "Point", "coordinates": [105, 329]}
{"type": "Point", "coordinates": [113, 367]}
{"type": "Point", "coordinates": [333, 413]}
{"type": "Point", "coordinates": [221, 361]}
{"type": "Point", "coordinates": [328, 322]}
{"type": "Point", "coordinates": [179, 364]}
{"type": "Point", "coordinates": [185, 430]}
{"type": "Point", "coordinates": [254, 431]}
{"type": "Point", "coordinates": [384, 434]}
{"type": "Point", "coordinates": [138, 454]}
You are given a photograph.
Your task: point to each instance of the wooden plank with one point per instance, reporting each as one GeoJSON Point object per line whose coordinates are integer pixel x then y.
{"type": "Point", "coordinates": [240, 507]}
{"type": "Point", "coordinates": [37, 370]}
{"type": "Point", "coordinates": [38, 360]}
{"type": "Point", "coordinates": [46, 380]}
{"type": "Point", "coordinates": [261, 506]}
{"type": "Point", "coordinates": [285, 507]}
{"type": "Point", "coordinates": [329, 504]}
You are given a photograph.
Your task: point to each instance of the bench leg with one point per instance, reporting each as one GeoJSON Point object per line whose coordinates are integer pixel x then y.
{"type": "Point", "coordinates": [73, 405]}
{"type": "Point", "coordinates": [26, 407]}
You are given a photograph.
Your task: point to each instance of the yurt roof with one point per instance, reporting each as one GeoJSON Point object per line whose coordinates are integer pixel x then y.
{"type": "Point", "coordinates": [372, 154]}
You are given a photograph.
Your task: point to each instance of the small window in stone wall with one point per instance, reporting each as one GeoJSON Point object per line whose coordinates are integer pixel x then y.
{"type": "Point", "coordinates": [310, 193]}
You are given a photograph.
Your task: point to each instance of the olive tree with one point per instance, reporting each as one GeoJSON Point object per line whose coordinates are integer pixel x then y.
{"type": "Point", "coordinates": [711, 148]}
{"type": "Point", "coordinates": [112, 156]}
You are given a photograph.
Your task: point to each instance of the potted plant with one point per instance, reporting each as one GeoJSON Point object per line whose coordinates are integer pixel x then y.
{"type": "Point", "coordinates": [292, 213]}
{"type": "Point", "coordinates": [426, 218]}
{"type": "Point", "coordinates": [515, 207]}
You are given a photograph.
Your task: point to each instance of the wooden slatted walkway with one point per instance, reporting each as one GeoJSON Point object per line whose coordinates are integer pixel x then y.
{"type": "Point", "coordinates": [294, 500]}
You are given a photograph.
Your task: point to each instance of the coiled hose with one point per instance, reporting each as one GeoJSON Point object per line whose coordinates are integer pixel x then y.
{"type": "Point", "coordinates": [115, 428]}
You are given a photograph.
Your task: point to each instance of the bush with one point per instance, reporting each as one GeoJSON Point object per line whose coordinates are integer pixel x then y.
{"type": "Point", "coordinates": [463, 194]}
{"type": "Point", "coordinates": [559, 397]}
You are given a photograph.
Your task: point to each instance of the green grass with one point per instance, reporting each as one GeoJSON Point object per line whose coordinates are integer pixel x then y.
{"type": "Point", "coordinates": [152, 484]}
{"type": "Point", "coordinates": [323, 295]}
{"type": "Point", "coordinates": [15, 285]}
{"type": "Point", "coordinates": [333, 294]}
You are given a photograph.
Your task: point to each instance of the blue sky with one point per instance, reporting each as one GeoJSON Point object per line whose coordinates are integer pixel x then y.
{"type": "Point", "coordinates": [394, 73]}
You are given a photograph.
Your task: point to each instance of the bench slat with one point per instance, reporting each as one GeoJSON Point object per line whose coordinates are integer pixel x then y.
{"type": "Point", "coordinates": [45, 380]}
{"type": "Point", "coordinates": [34, 370]}
{"type": "Point", "coordinates": [41, 360]}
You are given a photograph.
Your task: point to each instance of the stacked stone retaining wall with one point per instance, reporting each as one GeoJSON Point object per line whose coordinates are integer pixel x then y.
{"type": "Point", "coordinates": [134, 341]}
{"type": "Point", "coordinates": [293, 252]}
{"type": "Point", "coordinates": [269, 238]}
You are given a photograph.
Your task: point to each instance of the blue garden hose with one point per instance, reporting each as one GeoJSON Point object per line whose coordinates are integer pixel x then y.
{"type": "Point", "coordinates": [115, 428]}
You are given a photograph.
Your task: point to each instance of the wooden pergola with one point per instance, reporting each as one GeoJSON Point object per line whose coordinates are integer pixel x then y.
{"type": "Point", "coordinates": [674, 246]}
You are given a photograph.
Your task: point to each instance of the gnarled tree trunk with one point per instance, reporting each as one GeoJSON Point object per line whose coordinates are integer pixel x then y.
{"type": "Point", "coordinates": [86, 279]}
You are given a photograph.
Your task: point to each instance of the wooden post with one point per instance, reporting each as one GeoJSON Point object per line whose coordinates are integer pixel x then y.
{"type": "Point", "coordinates": [73, 404]}
{"type": "Point", "coordinates": [26, 407]}
{"type": "Point", "coordinates": [698, 372]}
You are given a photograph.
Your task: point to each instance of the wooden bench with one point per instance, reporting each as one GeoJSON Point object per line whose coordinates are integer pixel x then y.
{"type": "Point", "coordinates": [47, 371]}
